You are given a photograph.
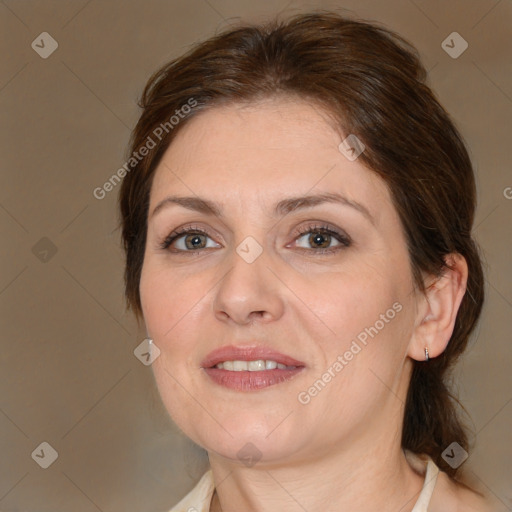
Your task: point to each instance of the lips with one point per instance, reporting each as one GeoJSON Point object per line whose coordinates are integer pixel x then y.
{"type": "Point", "coordinates": [247, 353]}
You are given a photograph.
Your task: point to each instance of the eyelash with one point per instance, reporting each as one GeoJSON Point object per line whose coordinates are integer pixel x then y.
{"type": "Point", "coordinates": [343, 238]}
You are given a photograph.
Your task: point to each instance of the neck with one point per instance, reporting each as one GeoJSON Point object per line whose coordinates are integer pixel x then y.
{"type": "Point", "coordinates": [361, 479]}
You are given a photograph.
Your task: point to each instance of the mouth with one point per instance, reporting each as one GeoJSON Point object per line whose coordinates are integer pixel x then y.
{"type": "Point", "coordinates": [257, 365]}
{"type": "Point", "coordinates": [250, 368]}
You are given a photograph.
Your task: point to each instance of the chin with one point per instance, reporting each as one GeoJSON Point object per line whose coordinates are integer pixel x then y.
{"type": "Point", "coordinates": [251, 451]}
{"type": "Point", "coordinates": [245, 443]}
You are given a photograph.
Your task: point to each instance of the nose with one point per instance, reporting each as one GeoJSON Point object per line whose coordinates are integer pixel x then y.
{"type": "Point", "coordinates": [249, 292]}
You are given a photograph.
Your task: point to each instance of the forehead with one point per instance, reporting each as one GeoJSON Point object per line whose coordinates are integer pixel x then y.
{"type": "Point", "coordinates": [263, 150]}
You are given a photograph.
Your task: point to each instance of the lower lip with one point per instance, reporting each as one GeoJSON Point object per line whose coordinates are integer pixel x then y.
{"type": "Point", "coordinates": [250, 381]}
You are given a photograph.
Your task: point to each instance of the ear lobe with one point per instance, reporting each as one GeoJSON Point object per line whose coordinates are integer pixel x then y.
{"type": "Point", "coordinates": [441, 302]}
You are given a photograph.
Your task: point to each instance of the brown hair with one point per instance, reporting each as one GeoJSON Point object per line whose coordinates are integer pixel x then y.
{"type": "Point", "coordinates": [372, 83]}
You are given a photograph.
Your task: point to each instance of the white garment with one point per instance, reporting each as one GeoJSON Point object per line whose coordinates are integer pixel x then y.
{"type": "Point", "coordinates": [199, 498]}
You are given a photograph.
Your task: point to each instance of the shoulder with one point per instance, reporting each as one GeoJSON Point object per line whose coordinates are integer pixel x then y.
{"type": "Point", "coordinates": [199, 498]}
{"type": "Point", "coordinates": [453, 496]}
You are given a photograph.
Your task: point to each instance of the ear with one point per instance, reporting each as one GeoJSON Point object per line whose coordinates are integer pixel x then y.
{"type": "Point", "coordinates": [437, 309]}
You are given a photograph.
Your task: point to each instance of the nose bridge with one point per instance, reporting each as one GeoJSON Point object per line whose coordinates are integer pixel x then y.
{"type": "Point", "coordinates": [249, 286]}
{"type": "Point", "coordinates": [249, 273]}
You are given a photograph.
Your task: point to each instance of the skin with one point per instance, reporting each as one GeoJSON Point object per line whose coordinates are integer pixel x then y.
{"type": "Point", "coordinates": [308, 305]}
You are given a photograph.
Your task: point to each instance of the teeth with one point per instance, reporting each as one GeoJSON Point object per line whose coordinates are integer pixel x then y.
{"type": "Point", "coordinates": [252, 366]}
{"type": "Point", "coordinates": [239, 366]}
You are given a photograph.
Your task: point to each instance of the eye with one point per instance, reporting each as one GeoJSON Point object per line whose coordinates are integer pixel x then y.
{"type": "Point", "coordinates": [188, 239]}
{"type": "Point", "coordinates": [319, 239]}
{"type": "Point", "coordinates": [314, 238]}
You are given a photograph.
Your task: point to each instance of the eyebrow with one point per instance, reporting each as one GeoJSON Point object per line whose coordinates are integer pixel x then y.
{"type": "Point", "coordinates": [282, 208]}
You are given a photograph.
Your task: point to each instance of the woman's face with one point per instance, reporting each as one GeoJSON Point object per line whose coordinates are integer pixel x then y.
{"type": "Point", "coordinates": [339, 302]}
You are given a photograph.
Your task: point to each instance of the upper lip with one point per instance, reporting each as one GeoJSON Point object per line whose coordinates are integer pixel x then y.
{"type": "Point", "coordinates": [247, 353]}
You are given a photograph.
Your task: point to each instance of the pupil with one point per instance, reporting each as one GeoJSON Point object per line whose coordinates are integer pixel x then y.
{"type": "Point", "coordinates": [195, 240]}
{"type": "Point", "coordinates": [318, 239]}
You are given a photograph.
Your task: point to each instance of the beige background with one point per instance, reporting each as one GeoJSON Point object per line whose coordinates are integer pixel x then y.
{"type": "Point", "coordinates": [68, 373]}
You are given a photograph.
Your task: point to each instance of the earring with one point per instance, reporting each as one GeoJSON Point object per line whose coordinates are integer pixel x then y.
{"type": "Point", "coordinates": [426, 354]}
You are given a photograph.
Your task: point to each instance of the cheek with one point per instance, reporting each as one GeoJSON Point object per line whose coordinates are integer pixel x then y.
{"type": "Point", "coordinates": [369, 328]}
{"type": "Point", "coordinates": [170, 299]}
{"type": "Point", "coordinates": [351, 300]}
{"type": "Point", "coordinates": [364, 319]}
{"type": "Point", "coordinates": [173, 305]}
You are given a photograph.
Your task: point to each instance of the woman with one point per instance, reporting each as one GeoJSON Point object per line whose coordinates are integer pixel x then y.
{"type": "Point", "coordinates": [297, 225]}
